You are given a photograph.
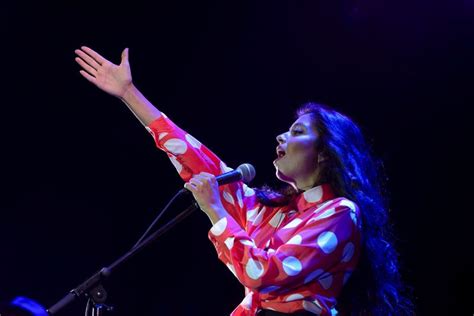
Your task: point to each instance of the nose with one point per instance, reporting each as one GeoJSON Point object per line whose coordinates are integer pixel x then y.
{"type": "Point", "coordinates": [281, 138]}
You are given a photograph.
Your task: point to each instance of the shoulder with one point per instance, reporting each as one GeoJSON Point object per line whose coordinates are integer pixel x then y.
{"type": "Point", "coordinates": [337, 208]}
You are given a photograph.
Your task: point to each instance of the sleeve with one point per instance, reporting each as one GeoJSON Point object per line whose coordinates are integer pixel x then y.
{"type": "Point", "coordinates": [190, 157]}
{"type": "Point", "coordinates": [316, 247]}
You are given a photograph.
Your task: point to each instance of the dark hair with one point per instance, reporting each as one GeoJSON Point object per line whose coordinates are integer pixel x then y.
{"type": "Point", "coordinates": [375, 288]}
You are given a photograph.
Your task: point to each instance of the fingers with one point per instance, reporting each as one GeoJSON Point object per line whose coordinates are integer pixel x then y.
{"type": "Point", "coordinates": [191, 187]}
{"type": "Point", "coordinates": [94, 55]}
{"type": "Point", "coordinates": [86, 66]}
{"type": "Point", "coordinates": [88, 59]}
{"type": "Point", "coordinates": [200, 181]}
{"type": "Point", "coordinates": [87, 76]}
{"type": "Point", "coordinates": [196, 182]}
{"type": "Point", "coordinates": [205, 177]}
{"type": "Point", "coordinates": [206, 193]}
{"type": "Point", "coordinates": [206, 174]}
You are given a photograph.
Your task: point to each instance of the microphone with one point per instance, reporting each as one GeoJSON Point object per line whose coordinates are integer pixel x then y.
{"type": "Point", "coordinates": [244, 172]}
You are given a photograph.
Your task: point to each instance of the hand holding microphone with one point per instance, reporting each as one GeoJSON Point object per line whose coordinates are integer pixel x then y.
{"type": "Point", "coordinates": [204, 188]}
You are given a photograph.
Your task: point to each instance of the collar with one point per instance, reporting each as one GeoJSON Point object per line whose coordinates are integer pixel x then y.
{"type": "Point", "coordinates": [314, 196]}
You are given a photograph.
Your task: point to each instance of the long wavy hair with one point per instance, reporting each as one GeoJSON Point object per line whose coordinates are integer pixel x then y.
{"type": "Point", "coordinates": [376, 287]}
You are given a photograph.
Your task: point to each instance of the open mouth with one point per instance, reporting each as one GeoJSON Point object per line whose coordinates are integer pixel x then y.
{"type": "Point", "coordinates": [280, 153]}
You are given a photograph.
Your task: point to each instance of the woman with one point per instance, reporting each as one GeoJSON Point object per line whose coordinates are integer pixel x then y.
{"type": "Point", "coordinates": [293, 251]}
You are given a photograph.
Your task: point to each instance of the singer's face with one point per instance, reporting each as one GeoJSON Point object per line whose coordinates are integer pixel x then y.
{"type": "Point", "coordinates": [297, 159]}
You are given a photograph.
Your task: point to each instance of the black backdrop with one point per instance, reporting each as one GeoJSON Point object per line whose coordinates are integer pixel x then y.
{"type": "Point", "coordinates": [81, 178]}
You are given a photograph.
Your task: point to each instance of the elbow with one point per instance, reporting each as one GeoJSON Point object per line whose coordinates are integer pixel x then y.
{"type": "Point", "coordinates": [255, 281]}
{"type": "Point", "coordinates": [252, 278]}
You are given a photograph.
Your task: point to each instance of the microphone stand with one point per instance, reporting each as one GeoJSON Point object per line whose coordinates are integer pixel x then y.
{"type": "Point", "coordinates": [93, 287]}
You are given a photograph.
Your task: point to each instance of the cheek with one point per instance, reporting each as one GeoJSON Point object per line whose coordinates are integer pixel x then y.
{"type": "Point", "coordinates": [305, 150]}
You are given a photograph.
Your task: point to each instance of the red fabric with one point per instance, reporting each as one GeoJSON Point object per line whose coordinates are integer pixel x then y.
{"type": "Point", "coordinates": [290, 258]}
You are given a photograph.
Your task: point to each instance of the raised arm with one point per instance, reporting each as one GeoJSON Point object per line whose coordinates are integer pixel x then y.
{"type": "Point", "coordinates": [117, 81]}
{"type": "Point", "coordinates": [186, 153]}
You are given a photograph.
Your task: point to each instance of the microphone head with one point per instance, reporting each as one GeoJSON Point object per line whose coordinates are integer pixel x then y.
{"type": "Point", "coordinates": [247, 171]}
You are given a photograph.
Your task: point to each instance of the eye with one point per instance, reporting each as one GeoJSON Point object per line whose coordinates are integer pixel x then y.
{"type": "Point", "coordinates": [296, 131]}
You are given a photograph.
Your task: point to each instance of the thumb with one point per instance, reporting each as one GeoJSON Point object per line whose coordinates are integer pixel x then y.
{"type": "Point", "coordinates": [124, 56]}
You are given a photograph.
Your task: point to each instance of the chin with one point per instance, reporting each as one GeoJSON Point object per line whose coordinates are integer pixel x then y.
{"type": "Point", "coordinates": [283, 177]}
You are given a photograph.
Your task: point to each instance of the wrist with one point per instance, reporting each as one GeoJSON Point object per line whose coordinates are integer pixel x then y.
{"type": "Point", "coordinates": [129, 92]}
{"type": "Point", "coordinates": [215, 213]}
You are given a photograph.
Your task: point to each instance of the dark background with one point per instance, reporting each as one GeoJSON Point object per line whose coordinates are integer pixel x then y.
{"type": "Point", "coordinates": [81, 178]}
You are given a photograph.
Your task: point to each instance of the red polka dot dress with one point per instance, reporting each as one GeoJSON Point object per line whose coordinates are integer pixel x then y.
{"type": "Point", "coordinates": [291, 258]}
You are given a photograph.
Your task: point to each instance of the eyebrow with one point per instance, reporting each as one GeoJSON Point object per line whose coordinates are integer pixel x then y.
{"type": "Point", "coordinates": [297, 125]}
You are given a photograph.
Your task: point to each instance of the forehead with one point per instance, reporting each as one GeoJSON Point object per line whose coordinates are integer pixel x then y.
{"type": "Point", "coordinates": [304, 120]}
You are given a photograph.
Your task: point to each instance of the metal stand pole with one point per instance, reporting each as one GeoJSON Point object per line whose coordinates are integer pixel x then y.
{"type": "Point", "coordinates": [93, 288]}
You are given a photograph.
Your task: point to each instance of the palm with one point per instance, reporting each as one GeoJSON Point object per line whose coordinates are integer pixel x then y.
{"type": "Point", "coordinates": [111, 78]}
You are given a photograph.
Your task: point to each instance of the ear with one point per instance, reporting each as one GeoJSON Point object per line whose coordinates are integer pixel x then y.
{"type": "Point", "coordinates": [322, 157]}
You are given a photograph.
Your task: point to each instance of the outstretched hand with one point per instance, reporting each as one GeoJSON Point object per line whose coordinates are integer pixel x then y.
{"type": "Point", "coordinates": [109, 77]}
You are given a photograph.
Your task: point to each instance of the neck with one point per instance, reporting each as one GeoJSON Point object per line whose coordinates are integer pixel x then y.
{"type": "Point", "coordinates": [307, 183]}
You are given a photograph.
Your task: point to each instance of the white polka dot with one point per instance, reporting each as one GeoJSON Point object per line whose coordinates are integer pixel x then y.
{"type": "Point", "coordinates": [349, 204]}
{"type": "Point", "coordinates": [224, 167]}
{"type": "Point", "coordinates": [348, 252]}
{"type": "Point", "coordinates": [239, 198]}
{"type": "Point", "coordinates": [231, 268]}
{"type": "Point", "coordinates": [228, 197]}
{"type": "Point", "coordinates": [164, 115]}
{"type": "Point", "coordinates": [326, 213]}
{"type": "Point", "coordinates": [326, 281]}
{"type": "Point", "coordinates": [292, 266]}
{"type": "Point", "coordinates": [176, 146]}
{"type": "Point", "coordinates": [247, 302]}
{"type": "Point", "coordinates": [247, 242]}
{"type": "Point", "coordinates": [176, 163]}
{"type": "Point", "coordinates": [327, 241]}
{"type": "Point", "coordinates": [248, 191]}
{"type": "Point", "coordinates": [162, 135]}
{"type": "Point", "coordinates": [313, 195]}
{"type": "Point", "coordinates": [219, 227]}
{"type": "Point", "coordinates": [323, 205]}
{"type": "Point", "coordinates": [311, 220]}
{"type": "Point", "coordinates": [293, 297]}
{"type": "Point", "coordinates": [313, 307]}
{"type": "Point", "coordinates": [295, 240]}
{"type": "Point", "coordinates": [277, 219]}
{"type": "Point", "coordinates": [259, 217]}
{"type": "Point", "coordinates": [293, 223]}
{"type": "Point", "coordinates": [270, 250]}
{"type": "Point", "coordinates": [229, 242]}
{"type": "Point", "coordinates": [254, 269]}
{"type": "Point", "coordinates": [268, 243]}
{"type": "Point", "coordinates": [251, 214]}
{"type": "Point", "coordinates": [313, 275]}
{"type": "Point", "coordinates": [193, 141]}
{"type": "Point", "coordinates": [269, 289]}
{"type": "Point", "coordinates": [354, 217]}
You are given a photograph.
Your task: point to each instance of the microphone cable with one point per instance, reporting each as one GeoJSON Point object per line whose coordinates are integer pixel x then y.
{"type": "Point", "coordinates": [157, 218]}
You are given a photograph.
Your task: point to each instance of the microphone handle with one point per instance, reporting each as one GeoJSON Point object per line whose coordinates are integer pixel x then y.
{"type": "Point", "coordinates": [229, 177]}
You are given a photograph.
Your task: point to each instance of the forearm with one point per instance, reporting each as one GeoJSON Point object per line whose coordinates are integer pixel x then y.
{"type": "Point", "coordinates": [140, 106]}
{"type": "Point", "coordinates": [216, 213]}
